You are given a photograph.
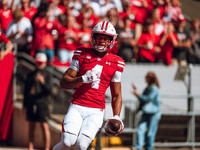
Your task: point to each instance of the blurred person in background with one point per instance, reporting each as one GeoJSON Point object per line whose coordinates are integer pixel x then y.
{"type": "Point", "coordinates": [127, 42]}
{"type": "Point", "coordinates": [150, 107]}
{"type": "Point", "coordinates": [72, 7]}
{"type": "Point", "coordinates": [55, 9]}
{"type": "Point", "coordinates": [127, 12]}
{"type": "Point", "coordinates": [77, 5]}
{"type": "Point", "coordinates": [158, 24]}
{"type": "Point", "coordinates": [142, 10]}
{"type": "Point", "coordinates": [108, 4]}
{"type": "Point", "coordinates": [6, 45]}
{"type": "Point", "coordinates": [161, 6]}
{"type": "Point", "coordinates": [95, 5]}
{"type": "Point", "coordinates": [147, 44]}
{"type": "Point", "coordinates": [173, 10]}
{"type": "Point", "coordinates": [194, 51]}
{"type": "Point", "coordinates": [6, 14]}
{"type": "Point", "coordinates": [179, 55]}
{"type": "Point", "coordinates": [113, 17]}
{"type": "Point", "coordinates": [67, 37]}
{"type": "Point", "coordinates": [87, 12]}
{"type": "Point", "coordinates": [36, 100]}
{"type": "Point", "coordinates": [20, 31]}
{"type": "Point", "coordinates": [43, 41]}
{"type": "Point", "coordinates": [28, 10]}
{"type": "Point", "coordinates": [84, 34]}
{"type": "Point", "coordinates": [131, 13]}
{"type": "Point", "coordinates": [168, 42]}
{"type": "Point", "coordinates": [35, 3]}
{"type": "Point", "coordinates": [68, 6]}
{"type": "Point", "coordinates": [118, 5]}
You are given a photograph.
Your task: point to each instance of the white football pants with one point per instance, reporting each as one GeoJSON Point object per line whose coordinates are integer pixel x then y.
{"type": "Point", "coordinates": [80, 126]}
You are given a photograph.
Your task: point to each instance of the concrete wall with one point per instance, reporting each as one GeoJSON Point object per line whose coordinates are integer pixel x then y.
{"type": "Point", "coordinates": [173, 93]}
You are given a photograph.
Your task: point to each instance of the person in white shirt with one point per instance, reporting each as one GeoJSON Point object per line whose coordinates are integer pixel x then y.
{"type": "Point", "coordinates": [20, 31]}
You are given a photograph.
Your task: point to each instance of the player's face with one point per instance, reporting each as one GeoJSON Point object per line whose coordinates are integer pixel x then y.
{"type": "Point", "coordinates": [102, 41]}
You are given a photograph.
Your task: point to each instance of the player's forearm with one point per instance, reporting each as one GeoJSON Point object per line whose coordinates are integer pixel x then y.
{"type": "Point", "coordinates": [70, 83]}
{"type": "Point", "coordinates": [117, 105]}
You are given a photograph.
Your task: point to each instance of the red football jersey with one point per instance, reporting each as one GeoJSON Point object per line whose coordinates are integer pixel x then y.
{"type": "Point", "coordinates": [144, 39]}
{"type": "Point", "coordinates": [30, 13]}
{"type": "Point", "coordinates": [67, 43]}
{"type": "Point", "coordinates": [93, 94]}
{"type": "Point", "coordinates": [167, 50]}
{"type": "Point", "coordinates": [5, 18]}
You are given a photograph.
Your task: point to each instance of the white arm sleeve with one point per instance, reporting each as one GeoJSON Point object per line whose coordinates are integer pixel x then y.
{"type": "Point", "coordinates": [116, 77]}
{"type": "Point", "coordinates": [75, 65]}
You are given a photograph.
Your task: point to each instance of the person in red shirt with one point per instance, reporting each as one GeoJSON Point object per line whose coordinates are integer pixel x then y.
{"type": "Point", "coordinates": [83, 34]}
{"type": "Point", "coordinates": [71, 8]}
{"type": "Point", "coordinates": [29, 11]}
{"type": "Point", "coordinates": [55, 9]}
{"type": "Point", "coordinates": [67, 38]}
{"type": "Point", "coordinates": [147, 44]}
{"type": "Point", "coordinates": [91, 72]}
{"type": "Point", "coordinates": [8, 45]}
{"type": "Point", "coordinates": [5, 15]}
{"type": "Point", "coordinates": [168, 41]}
{"type": "Point", "coordinates": [158, 24]}
{"type": "Point", "coordinates": [142, 9]}
{"type": "Point", "coordinates": [87, 12]}
{"type": "Point", "coordinates": [161, 5]}
{"type": "Point", "coordinates": [43, 41]}
{"type": "Point", "coordinates": [173, 9]}
{"type": "Point", "coordinates": [127, 12]}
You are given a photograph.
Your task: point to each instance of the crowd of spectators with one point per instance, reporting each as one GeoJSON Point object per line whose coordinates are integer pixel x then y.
{"type": "Point", "coordinates": [149, 31]}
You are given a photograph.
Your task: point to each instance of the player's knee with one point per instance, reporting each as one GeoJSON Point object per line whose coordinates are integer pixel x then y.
{"type": "Point", "coordinates": [82, 146]}
{"type": "Point", "coordinates": [83, 142]}
{"type": "Point", "coordinates": [67, 143]}
{"type": "Point", "coordinates": [69, 139]}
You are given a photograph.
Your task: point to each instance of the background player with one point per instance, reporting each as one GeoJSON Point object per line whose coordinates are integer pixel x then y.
{"type": "Point", "coordinates": [91, 72]}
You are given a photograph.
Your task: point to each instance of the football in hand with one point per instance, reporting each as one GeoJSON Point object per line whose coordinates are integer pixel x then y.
{"type": "Point", "coordinates": [113, 127]}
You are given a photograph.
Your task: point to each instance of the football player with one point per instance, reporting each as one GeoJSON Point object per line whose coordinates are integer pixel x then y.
{"type": "Point", "coordinates": [91, 72]}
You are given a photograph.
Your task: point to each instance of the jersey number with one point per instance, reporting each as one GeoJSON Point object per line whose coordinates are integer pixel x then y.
{"type": "Point", "coordinates": [98, 69]}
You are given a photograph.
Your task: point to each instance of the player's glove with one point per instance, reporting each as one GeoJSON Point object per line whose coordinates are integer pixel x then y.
{"type": "Point", "coordinates": [90, 76]}
{"type": "Point", "coordinates": [114, 126]}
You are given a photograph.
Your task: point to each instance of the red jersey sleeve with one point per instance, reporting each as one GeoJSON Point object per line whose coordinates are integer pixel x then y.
{"type": "Point", "coordinates": [120, 64]}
